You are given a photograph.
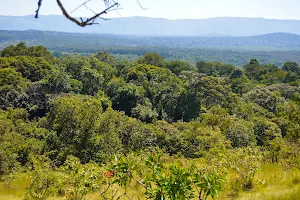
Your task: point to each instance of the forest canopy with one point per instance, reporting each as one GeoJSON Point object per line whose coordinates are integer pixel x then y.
{"type": "Point", "coordinates": [84, 124]}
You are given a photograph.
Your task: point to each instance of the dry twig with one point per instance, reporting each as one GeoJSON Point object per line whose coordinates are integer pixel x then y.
{"type": "Point", "coordinates": [111, 5]}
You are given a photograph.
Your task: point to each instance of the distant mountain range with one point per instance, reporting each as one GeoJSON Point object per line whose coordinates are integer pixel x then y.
{"type": "Point", "coordinates": [224, 26]}
{"type": "Point", "coordinates": [63, 41]}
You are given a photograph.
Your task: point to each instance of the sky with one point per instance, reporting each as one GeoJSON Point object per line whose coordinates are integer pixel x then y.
{"type": "Point", "coordinates": [170, 9]}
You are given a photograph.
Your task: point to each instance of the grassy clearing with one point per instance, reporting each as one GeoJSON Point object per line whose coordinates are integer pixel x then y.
{"type": "Point", "coordinates": [272, 183]}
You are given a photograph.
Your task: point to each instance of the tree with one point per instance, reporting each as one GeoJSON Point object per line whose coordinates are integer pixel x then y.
{"type": "Point", "coordinates": [144, 113]}
{"type": "Point", "coordinates": [103, 68]}
{"type": "Point", "coordinates": [32, 68]}
{"type": "Point", "coordinates": [19, 140]}
{"type": "Point", "coordinates": [22, 50]}
{"type": "Point", "coordinates": [291, 67]}
{"type": "Point", "coordinates": [37, 99]}
{"type": "Point", "coordinates": [263, 97]}
{"type": "Point", "coordinates": [189, 106]}
{"type": "Point", "coordinates": [152, 59]}
{"type": "Point", "coordinates": [240, 133]}
{"type": "Point", "coordinates": [12, 86]}
{"type": "Point", "coordinates": [265, 130]}
{"type": "Point", "coordinates": [236, 73]}
{"type": "Point", "coordinates": [241, 85]}
{"type": "Point", "coordinates": [10, 78]}
{"type": "Point", "coordinates": [177, 66]}
{"type": "Point", "coordinates": [128, 97]}
{"type": "Point", "coordinates": [162, 87]}
{"type": "Point", "coordinates": [286, 91]}
{"type": "Point", "coordinates": [74, 65]}
{"type": "Point", "coordinates": [58, 81]}
{"type": "Point", "coordinates": [73, 118]}
{"type": "Point", "coordinates": [214, 68]}
{"type": "Point", "coordinates": [254, 62]}
{"type": "Point", "coordinates": [273, 77]}
{"type": "Point", "coordinates": [254, 70]}
{"type": "Point", "coordinates": [92, 81]}
{"type": "Point", "coordinates": [211, 91]}
{"type": "Point", "coordinates": [105, 57]}
{"type": "Point", "coordinates": [290, 112]}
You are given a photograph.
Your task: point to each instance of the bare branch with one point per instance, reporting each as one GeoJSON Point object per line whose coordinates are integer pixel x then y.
{"type": "Point", "coordinates": [111, 5]}
{"type": "Point", "coordinates": [141, 183]}
{"type": "Point", "coordinates": [141, 5]}
{"type": "Point", "coordinates": [116, 10]}
{"type": "Point", "coordinates": [38, 9]}
{"type": "Point", "coordinates": [84, 4]}
{"type": "Point", "coordinates": [88, 21]}
{"type": "Point", "coordinates": [107, 188]}
{"type": "Point", "coordinates": [107, 3]}
{"type": "Point", "coordinates": [105, 19]}
{"type": "Point", "coordinates": [121, 196]}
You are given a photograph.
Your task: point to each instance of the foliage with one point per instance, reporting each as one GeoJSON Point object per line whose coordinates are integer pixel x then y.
{"type": "Point", "coordinates": [239, 132]}
{"type": "Point", "coordinates": [172, 182]}
{"type": "Point", "coordinates": [246, 163]}
{"type": "Point", "coordinates": [72, 117]}
{"type": "Point", "coordinates": [31, 68]}
{"type": "Point", "coordinates": [19, 140]}
{"type": "Point", "coordinates": [152, 59]}
{"type": "Point", "coordinates": [22, 50]}
{"type": "Point", "coordinates": [83, 124]}
{"type": "Point", "coordinates": [214, 68]}
{"type": "Point", "coordinates": [43, 183]}
{"type": "Point", "coordinates": [263, 97]}
{"type": "Point", "coordinates": [177, 66]}
{"type": "Point", "coordinates": [78, 180]}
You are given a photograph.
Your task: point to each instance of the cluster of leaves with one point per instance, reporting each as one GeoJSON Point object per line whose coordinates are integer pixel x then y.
{"type": "Point", "coordinates": [72, 180]}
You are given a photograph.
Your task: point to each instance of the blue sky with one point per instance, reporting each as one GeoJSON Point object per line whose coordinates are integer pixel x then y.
{"type": "Point", "coordinates": [171, 9]}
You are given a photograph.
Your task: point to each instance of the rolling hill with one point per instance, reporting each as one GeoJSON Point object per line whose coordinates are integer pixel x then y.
{"type": "Point", "coordinates": [274, 48]}
{"type": "Point", "coordinates": [57, 40]}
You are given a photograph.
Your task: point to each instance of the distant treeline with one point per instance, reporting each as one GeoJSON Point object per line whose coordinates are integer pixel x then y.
{"type": "Point", "coordinates": [274, 48]}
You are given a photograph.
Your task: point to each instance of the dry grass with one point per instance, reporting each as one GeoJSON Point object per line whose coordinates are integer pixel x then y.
{"type": "Point", "coordinates": [272, 183]}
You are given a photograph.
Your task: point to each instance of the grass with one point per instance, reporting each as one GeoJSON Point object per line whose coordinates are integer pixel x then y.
{"type": "Point", "coordinates": [274, 193]}
{"type": "Point", "coordinates": [271, 183]}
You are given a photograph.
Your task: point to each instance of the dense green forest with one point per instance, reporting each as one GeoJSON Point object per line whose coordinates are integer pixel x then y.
{"type": "Point", "coordinates": [274, 48]}
{"type": "Point", "coordinates": [96, 127]}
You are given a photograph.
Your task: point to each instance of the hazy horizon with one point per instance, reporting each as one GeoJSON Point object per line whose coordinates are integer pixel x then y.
{"type": "Point", "coordinates": [40, 16]}
{"type": "Point", "coordinates": [167, 9]}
